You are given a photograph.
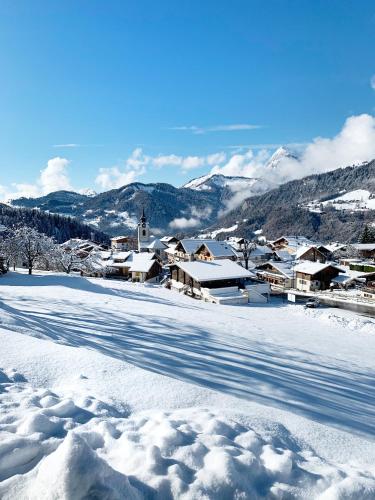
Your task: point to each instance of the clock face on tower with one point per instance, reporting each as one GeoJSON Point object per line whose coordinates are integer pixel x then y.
{"type": "Point", "coordinates": [143, 225]}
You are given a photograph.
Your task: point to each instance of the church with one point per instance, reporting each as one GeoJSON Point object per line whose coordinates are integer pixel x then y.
{"type": "Point", "coordinates": [144, 239]}
{"type": "Point", "coordinates": [147, 243]}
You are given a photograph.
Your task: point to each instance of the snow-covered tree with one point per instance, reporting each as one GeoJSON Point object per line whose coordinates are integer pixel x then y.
{"type": "Point", "coordinates": [9, 250]}
{"type": "Point", "coordinates": [32, 247]}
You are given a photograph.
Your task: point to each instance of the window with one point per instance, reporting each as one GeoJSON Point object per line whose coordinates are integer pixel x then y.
{"type": "Point", "coordinates": [143, 232]}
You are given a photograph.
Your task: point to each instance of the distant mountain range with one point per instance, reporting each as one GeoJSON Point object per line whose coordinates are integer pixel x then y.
{"type": "Point", "coordinates": [332, 206]}
{"type": "Point", "coordinates": [168, 208]}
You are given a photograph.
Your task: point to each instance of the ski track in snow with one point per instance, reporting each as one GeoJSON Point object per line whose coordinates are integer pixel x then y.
{"type": "Point", "coordinates": [290, 394]}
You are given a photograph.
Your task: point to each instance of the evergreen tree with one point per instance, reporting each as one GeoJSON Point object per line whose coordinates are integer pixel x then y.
{"type": "Point", "coordinates": [368, 235]}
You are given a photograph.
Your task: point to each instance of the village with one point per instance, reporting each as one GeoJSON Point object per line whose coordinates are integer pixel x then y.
{"type": "Point", "coordinates": [230, 271]}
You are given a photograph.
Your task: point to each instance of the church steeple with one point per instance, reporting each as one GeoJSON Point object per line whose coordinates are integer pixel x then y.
{"type": "Point", "coordinates": [143, 216]}
{"type": "Point", "coordinates": [143, 232]}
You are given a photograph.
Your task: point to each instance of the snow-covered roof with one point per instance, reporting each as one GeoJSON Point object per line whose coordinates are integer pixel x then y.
{"type": "Point", "coordinates": [214, 270]}
{"type": "Point", "coordinates": [284, 255]}
{"type": "Point", "coordinates": [170, 250]}
{"type": "Point", "coordinates": [157, 244]}
{"type": "Point", "coordinates": [168, 239]}
{"type": "Point", "coordinates": [296, 241]}
{"type": "Point", "coordinates": [312, 268]}
{"type": "Point", "coordinates": [364, 246]}
{"type": "Point", "coordinates": [191, 245]}
{"type": "Point", "coordinates": [219, 248]}
{"type": "Point", "coordinates": [141, 262]}
{"type": "Point", "coordinates": [343, 279]}
{"type": "Point", "coordinates": [333, 247]}
{"type": "Point", "coordinates": [284, 268]}
{"type": "Point", "coordinates": [260, 250]}
{"type": "Point", "coordinates": [119, 238]}
{"type": "Point", "coordinates": [105, 254]}
{"type": "Point", "coordinates": [302, 250]}
{"type": "Point", "coordinates": [121, 255]}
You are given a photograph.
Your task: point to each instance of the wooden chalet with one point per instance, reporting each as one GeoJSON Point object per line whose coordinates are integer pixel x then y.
{"type": "Point", "coordinates": [213, 250]}
{"type": "Point", "coordinates": [311, 253]}
{"type": "Point", "coordinates": [123, 243]}
{"type": "Point", "coordinates": [366, 250]}
{"type": "Point", "coordinates": [210, 274]}
{"type": "Point", "coordinates": [314, 276]}
{"type": "Point", "coordinates": [278, 274]}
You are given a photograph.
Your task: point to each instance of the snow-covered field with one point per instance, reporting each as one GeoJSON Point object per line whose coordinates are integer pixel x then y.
{"type": "Point", "coordinates": [119, 390]}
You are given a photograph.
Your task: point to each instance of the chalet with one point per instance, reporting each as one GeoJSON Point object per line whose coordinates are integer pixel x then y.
{"type": "Point", "coordinates": [185, 248]}
{"type": "Point", "coordinates": [313, 276]}
{"type": "Point", "coordinates": [366, 250]}
{"type": "Point", "coordinates": [260, 253]}
{"type": "Point", "coordinates": [158, 247]}
{"type": "Point", "coordinates": [144, 266]}
{"type": "Point", "coordinates": [236, 242]}
{"type": "Point", "coordinates": [290, 243]}
{"type": "Point", "coordinates": [123, 243]}
{"type": "Point", "coordinates": [310, 253]}
{"type": "Point", "coordinates": [214, 250]}
{"type": "Point", "coordinates": [169, 240]}
{"type": "Point", "coordinates": [278, 274]}
{"type": "Point", "coordinates": [221, 281]}
{"type": "Point", "coordinates": [282, 256]}
{"type": "Point", "coordinates": [81, 248]}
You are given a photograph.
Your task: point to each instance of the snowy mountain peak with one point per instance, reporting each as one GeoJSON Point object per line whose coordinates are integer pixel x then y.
{"type": "Point", "coordinates": [279, 155]}
{"type": "Point", "coordinates": [87, 192]}
{"type": "Point", "coordinates": [210, 181]}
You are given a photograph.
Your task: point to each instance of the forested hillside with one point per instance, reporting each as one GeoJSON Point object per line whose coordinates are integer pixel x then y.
{"type": "Point", "coordinates": [286, 210]}
{"type": "Point", "coordinates": [59, 227]}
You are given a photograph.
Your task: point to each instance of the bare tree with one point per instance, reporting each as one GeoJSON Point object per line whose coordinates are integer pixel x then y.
{"type": "Point", "coordinates": [247, 247]}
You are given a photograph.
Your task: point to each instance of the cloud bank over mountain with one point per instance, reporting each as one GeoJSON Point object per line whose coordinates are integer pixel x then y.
{"type": "Point", "coordinates": [354, 144]}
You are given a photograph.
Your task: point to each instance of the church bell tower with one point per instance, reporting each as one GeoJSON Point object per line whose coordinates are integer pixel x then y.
{"type": "Point", "coordinates": [143, 232]}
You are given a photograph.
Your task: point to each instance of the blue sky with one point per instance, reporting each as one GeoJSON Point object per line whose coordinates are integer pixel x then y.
{"type": "Point", "coordinates": [186, 78]}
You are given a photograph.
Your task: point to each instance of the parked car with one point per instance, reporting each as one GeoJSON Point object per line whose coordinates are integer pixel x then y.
{"type": "Point", "coordinates": [312, 302]}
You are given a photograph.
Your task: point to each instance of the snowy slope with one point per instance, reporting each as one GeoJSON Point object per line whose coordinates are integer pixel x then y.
{"type": "Point", "coordinates": [360, 199]}
{"type": "Point", "coordinates": [122, 390]}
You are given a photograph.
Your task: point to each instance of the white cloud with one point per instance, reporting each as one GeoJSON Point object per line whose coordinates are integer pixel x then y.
{"type": "Point", "coordinates": [354, 144]}
{"type": "Point", "coordinates": [217, 128]}
{"type": "Point", "coordinates": [55, 177]}
{"type": "Point", "coordinates": [52, 178]}
{"type": "Point", "coordinates": [372, 82]}
{"type": "Point", "coordinates": [183, 223]}
{"type": "Point", "coordinates": [68, 145]}
{"type": "Point", "coordinates": [115, 177]}
{"type": "Point", "coordinates": [188, 162]}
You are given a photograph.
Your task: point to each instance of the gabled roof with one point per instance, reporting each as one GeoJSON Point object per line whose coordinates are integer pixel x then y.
{"type": "Point", "coordinates": [364, 246]}
{"type": "Point", "coordinates": [218, 248]}
{"type": "Point", "coordinates": [312, 268]}
{"type": "Point", "coordinates": [157, 244]}
{"type": "Point", "coordinates": [141, 262]}
{"type": "Point", "coordinates": [191, 245]}
{"type": "Point", "coordinates": [284, 268]}
{"type": "Point", "coordinates": [302, 250]}
{"type": "Point", "coordinates": [295, 241]}
{"type": "Point", "coordinates": [214, 270]}
{"type": "Point", "coordinates": [168, 239]}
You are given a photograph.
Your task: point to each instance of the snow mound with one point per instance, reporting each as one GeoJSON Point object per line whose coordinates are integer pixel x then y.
{"type": "Point", "coordinates": [75, 471]}
{"type": "Point", "coordinates": [52, 448]}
